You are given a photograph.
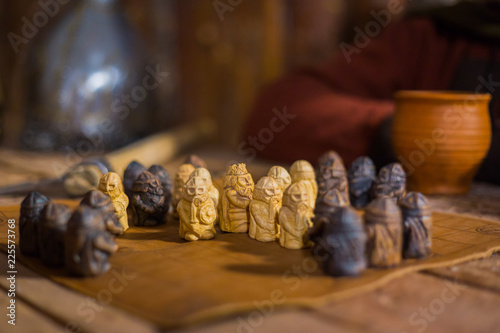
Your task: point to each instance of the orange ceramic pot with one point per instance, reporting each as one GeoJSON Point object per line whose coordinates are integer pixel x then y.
{"type": "Point", "coordinates": [441, 138]}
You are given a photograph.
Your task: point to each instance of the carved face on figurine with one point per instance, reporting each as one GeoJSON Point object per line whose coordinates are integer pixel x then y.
{"type": "Point", "coordinates": [238, 178]}
{"type": "Point", "coordinates": [281, 176]}
{"type": "Point", "coordinates": [203, 173]}
{"type": "Point", "coordinates": [195, 190]}
{"type": "Point", "coordinates": [329, 158]}
{"type": "Point", "coordinates": [391, 181]}
{"type": "Point", "coordinates": [182, 176]}
{"type": "Point", "coordinates": [302, 170]}
{"type": "Point", "coordinates": [149, 188]}
{"type": "Point", "coordinates": [327, 204]}
{"type": "Point", "coordinates": [267, 190]}
{"type": "Point", "coordinates": [133, 170]}
{"type": "Point", "coordinates": [361, 176]}
{"type": "Point", "coordinates": [111, 184]}
{"type": "Point", "coordinates": [162, 175]}
{"type": "Point", "coordinates": [297, 198]}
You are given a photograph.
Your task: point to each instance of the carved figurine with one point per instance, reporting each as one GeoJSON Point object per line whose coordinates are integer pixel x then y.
{"type": "Point", "coordinates": [88, 244]}
{"type": "Point", "coordinates": [111, 184]}
{"type": "Point", "coordinates": [133, 170]}
{"type": "Point", "coordinates": [196, 210]}
{"type": "Point", "coordinates": [196, 161]}
{"type": "Point", "coordinates": [212, 190]}
{"type": "Point", "coordinates": [29, 222]}
{"type": "Point", "coordinates": [390, 182]}
{"type": "Point", "coordinates": [295, 216]}
{"type": "Point", "coordinates": [361, 177]}
{"type": "Point", "coordinates": [303, 171]}
{"type": "Point", "coordinates": [238, 188]}
{"type": "Point", "coordinates": [417, 225]}
{"type": "Point", "coordinates": [281, 176]}
{"type": "Point", "coordinates": [102, 202]}
{"type": "Point", "coordinates": [264, 209]}
{"type": "Point", "coordinates": [148, 201]}
{"type": "Point", "coordinates": [327, 204]}
{"type": "Point", "coordinates": [165, 180]}
{"type": "Point", "coordinates": [53, 222]}
{"type": "Point", "coordinates": [331, 174]}
{"type": "Point", "coordinates": [385, 233]}
{"type": "Point", "coordinates": [85, 176]}
{"type": "Point", "coordinates": [181, 177]}
{"type": "Point", "coordinates": [341, 243]}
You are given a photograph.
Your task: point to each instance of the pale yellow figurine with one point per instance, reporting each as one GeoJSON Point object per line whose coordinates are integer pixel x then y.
{"type": "Point", "coordinates": [303, 170]}
{"type": "Point", "coordinates": [264, 209]}
{"type": "Point", "coordinates": [181, 177]}
{"type": "Point", "coordinates": [212, 190]}
{"type": "Point", "coordinates": [238, 188]}
{"type": "Point", "coordinates": [281, 176]}
{"type": "Point", "coordinates": [295, 216]}
{"type": "Point", "coordinates": [111, 184]}
{"type": "Point", "coordinates": [196, 211]}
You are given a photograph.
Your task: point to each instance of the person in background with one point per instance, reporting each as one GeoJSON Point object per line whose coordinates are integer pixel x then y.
{"type": "Point", "coordinates": [346, 104]}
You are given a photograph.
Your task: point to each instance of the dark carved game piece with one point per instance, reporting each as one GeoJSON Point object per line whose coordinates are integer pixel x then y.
{"type": "Point", "coordinates": [29, 222]}
{"type": "Point", "coordinates": [417, 225]}
{"type": "Point", "coordinates": [165, 180]}
{"type": "Point", "coordinates": [53, 223]}
{"type": "Point", "coordinates": [361, 177]}
{"type": "Point", "coordinates": [390, 182]}
{"type": "Point", "coordinates": [327, 204]}
{"type": "Point", "coordinates": [196, 161]}
{"type": "Point", "coordinates": [148, 201]}
{"type": "Point", "coordinates": [88, 244]}
{"type": "Point", "coordinates": [331, 174]}
{"type": "Point", "coordinates": [385, 233]}
{"type": "Point", "coordinates": [341, 242]}
{"type": "Point", "coordinates": [133, 170]}
{"type": "Point", "coordinates": [102, 202]}
{"type": "Point", "coordinates": [85, 176]}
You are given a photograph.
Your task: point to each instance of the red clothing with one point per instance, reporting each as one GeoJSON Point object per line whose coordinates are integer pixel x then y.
{"type": "Point", "coordinates": [340, 105]}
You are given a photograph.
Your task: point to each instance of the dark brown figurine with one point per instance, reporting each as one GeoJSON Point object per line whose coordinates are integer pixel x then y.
{"type": "Point", "coordinates": [196, 161]}
{"type": "Point", "coordinates": [133, 170]}
{"type": "Point", "coordinates": [165, 181]}
{"type": "Point", "coordinates": [390, 182]}
{"type": "Point", "coordinates": [328, 204]}
{"type": "Point", "coordinates": [341, 243]}
{"type": "Point", "coordinates": [148, 201]}
{"type": "Point", "coordinates": [88, 244]}
{"type": "Point", "coordinates": [29, 221]}
{"type": "Point", "coordinates": [361, 177]}
{"type": "Point", "coordinates": [384, 227]}
{"type": "Point", "coordinates": [102, 202]}
{"type": "Point", "coordinates": [417, 225]}
{"type": "Point", "coordinates": [331, 174]}
{"type": "Point", "coordinates": [53, 222]}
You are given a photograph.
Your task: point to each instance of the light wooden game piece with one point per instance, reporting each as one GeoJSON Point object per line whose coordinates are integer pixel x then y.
{"type": "Point", "coordinates": [181, 177]}
{"type": "Point", "coordinates": [264, 209]}
{"type": "Point", "coordinates": [207, 177]}
{"type": "Point", "coordinates": [238, 188]}
{"type": "Point", "coordinates": [85, 176]}
{"type": "Point", "coordinates": [361, 177]}
{"type": "Point", "coordinates": [148, 201]}
{"type": "Point", "coordinates": [417, 225]}
{"type": "Point", "coordinates": [197, 212]}
{"type": "Point", "coordinates": [331, 174]}
{"type": "Point", "coordinates": [384, 227]}
{"type": "Point", "coordinates": [100, 201]}
{"type": "Point", "coordinates": [295, 216]}
{"type": "Point", "coordinates": [133, 170]}
{"type": "Point", "coordinates": [87, 243]}
{"type": "Point", "coordinates": [52, 231]}
{"type": "Point", "coordinates": [281, 176]}
{"type": "Point", "coordinates": [29, 223]}
{"type": "Point", "coordinates": [111, 184]}
{"type": "Point", "coordinates": [390, 182]}
{"type": "Point", "coordinates": [303, 171]}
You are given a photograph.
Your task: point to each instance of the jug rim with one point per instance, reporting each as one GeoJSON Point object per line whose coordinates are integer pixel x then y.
{"type": "Point", "coordinates": [441, 95]}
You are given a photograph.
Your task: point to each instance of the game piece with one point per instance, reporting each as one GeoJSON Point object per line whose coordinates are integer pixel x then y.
{"type": "Point", "coordinates": [281, 176]}
{"type": "Point", "coordinates": [133, 170]}
{"type": "Point", "coordinates": [385, 233]}
{"type": "Point", "coordinates": [295, 216]}
{"type": "Point", "coordinates": [148, 201]}
{"type": "Point", "coordinates": [181, 177]}
{"type": "Point", "coordinates": [197, 212]}
{"type": "Point", "coordinates": [331, 174]}
{"type": "Point", "coordinates": [391, 182]}
{"type": "Point", "coordinates": [102, 202]}
{"type": "Point", "coordinates": [29, 222]}
{"type": "Point", "coordinates": [53, 222]}
{"type": "Point", "coordinates": [212, 190]}
{"type": "Point", "coordinates": [165, 180]}
{"type": "Point", "coordinates": [238, 188]}
{"type": "Point", "coordinates": [417, 225]}
{"type": "Point", "coordinates": [341, 243]}
{"type": "Point", "coordinates": [87, 243]}
{"type": "Point", "coordinates": [85, 176]}
{"type": "Point", "coordinates": [196, 161]}
{"type": "Point", "coordinates": [303, 171]}
{"type": "Point", "coordinates": [111, 184]}
{"type": "Point", "coordinates": [361, 177]}
{"type": "Point", "coordinates": [264, 209]}
{"type": "Point", "coordinates": [328, 204]}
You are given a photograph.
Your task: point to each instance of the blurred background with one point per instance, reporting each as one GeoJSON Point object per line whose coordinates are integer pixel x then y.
{"type": "Point", "coordinates": [62, 71]}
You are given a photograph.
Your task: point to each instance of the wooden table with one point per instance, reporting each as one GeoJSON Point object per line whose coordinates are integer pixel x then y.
{"type": "Point", "coordinates": [463, 298]}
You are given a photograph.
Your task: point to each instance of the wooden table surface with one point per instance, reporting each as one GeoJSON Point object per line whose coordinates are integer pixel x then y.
{"type": "Point", "coordinates": [463, 298]}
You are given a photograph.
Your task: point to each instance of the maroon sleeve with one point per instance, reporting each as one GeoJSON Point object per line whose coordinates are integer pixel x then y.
{"type": "Point", "coordinates": [340, 105]}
